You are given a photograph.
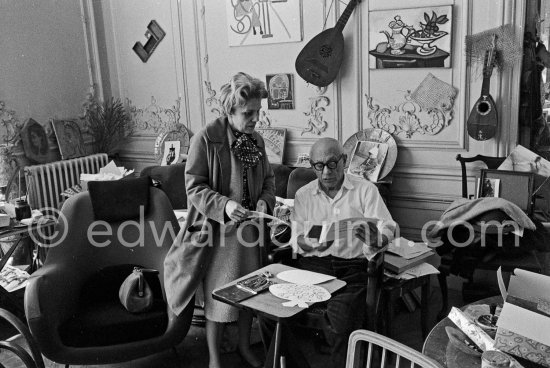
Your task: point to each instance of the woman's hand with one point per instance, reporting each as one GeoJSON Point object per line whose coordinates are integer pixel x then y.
{"type": "Point", "coordinates": [261, 206]}
{"type": "Point", "coordinates": [235, 211]}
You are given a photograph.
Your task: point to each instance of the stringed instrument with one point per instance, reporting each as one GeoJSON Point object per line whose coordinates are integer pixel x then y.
{"type": "Point", "coordinates": [483, 120]}
{"type": "Point", "coordinates": [319, 61]}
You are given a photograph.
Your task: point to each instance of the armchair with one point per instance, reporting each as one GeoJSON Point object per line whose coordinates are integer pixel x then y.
{"type": "Point", "coordinates": [465, 260]}
{"type": "Point", "coordinates": [72, 304]}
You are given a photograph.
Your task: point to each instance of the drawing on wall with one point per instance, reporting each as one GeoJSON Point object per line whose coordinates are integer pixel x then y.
{"type": "Point", "coordinates": [253, 22]}
{"type": "Point", "coordinates": [411, 38]}
{"type": "Point", "coordinates": [69, 138]}
{"type": "Point", "coordinates": [274, 139]}
{"type": "Point", "coordinates": [35, 141]}
{"type": "Point", "coordinates": [280, 88]}
{"type": "Point", "coordinates": [171, 152]}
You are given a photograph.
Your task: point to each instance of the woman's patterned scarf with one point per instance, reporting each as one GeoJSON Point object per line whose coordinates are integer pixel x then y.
{"type": "Point", "coordinates": [246, 150]}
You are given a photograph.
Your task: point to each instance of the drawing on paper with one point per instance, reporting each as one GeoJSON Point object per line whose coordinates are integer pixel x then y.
{"type": "Point", "coordinates": [253, 22]}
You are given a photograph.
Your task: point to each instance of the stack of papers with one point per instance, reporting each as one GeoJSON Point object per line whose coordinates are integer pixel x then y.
{"type": "Point", "coordinates": [407, 259]}
{"type": "Point", "coordinates": [414, 272]}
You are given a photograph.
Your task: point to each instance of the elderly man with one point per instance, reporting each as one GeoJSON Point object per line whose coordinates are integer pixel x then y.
{"type": "Point", "coordinates": [337, 196]}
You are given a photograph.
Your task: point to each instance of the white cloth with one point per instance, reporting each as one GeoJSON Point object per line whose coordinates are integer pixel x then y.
{"type": "Point", "coordinates": [356, 198]}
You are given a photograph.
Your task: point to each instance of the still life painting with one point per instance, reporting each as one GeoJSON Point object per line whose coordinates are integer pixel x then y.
{"type": "Point", "coordinates": [280, 89]}
{"type": "Point", "coordinates": [367, 159]}
{"type": "Point", "coordinates": [69, 138]}
{"type": "Point", "coordinates": [256, 22]}
{"type": "Point", "coordinates": [274, 139]}
{"type": "Point", "coordinates": [410, 38]}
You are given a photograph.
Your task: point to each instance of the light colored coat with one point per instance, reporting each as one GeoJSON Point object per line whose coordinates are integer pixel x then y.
{"type": "Point", "coordinates": [207, 180]}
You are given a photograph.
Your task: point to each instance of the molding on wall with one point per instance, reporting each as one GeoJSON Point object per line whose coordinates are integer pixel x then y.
{"type": "Point", "coordinates": [155, 118]}
{"type": "Point", "coordinates": [316, 123]}
{"type": "Point", "coordinates": [409, 117]}
{"type": "Point", "coordinates": [92, 48]}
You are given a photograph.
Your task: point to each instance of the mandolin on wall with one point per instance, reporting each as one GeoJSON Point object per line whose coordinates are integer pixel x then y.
{"type": "Point", "coordinates": [319, 61]}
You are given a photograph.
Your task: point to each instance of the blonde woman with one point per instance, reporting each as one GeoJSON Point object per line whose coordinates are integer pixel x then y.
{"type": "Point", "coordinates": [227, 175]}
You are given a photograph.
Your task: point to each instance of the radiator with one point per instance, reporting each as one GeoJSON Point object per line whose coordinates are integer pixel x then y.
{"type": "Point", "coordinates": [46, 182]}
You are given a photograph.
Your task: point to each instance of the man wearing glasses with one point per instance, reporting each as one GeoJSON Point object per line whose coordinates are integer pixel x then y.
{"type": "Point", "coordinates": [337, 196]}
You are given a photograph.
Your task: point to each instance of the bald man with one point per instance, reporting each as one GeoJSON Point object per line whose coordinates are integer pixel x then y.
{"type": "Point", "coordinates": [337, 196]}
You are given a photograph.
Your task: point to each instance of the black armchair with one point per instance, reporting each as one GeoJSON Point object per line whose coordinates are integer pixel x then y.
{"type": "Point", "coordinates": [72, 304]}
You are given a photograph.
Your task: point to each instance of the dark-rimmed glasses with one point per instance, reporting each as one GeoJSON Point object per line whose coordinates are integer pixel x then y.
{"type": "Point", "coordinates": [332, 164]}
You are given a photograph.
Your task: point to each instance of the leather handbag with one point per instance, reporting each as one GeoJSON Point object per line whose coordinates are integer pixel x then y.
{"type": "Point", "coordinates": [135, 294]}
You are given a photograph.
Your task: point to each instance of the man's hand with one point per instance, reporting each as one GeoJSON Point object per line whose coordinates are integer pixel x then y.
{"type": "Point", "coordinates": [370, 235]}
{"type": "Point", "coordinates": [261, 206]}
{"type": "Point", "coordinates": [309, 244]}
{"type": "Point", "coordinates": [235, 211]}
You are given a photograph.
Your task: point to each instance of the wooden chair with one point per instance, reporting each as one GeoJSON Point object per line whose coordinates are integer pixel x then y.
{"type": "Point", "coordinates": [369, 349]}
{"type": "Point", "coordinates": [528, 261]}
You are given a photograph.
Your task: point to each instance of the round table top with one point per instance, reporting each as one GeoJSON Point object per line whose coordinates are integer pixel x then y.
{"type": "Point", "coordinates": [438, 348]}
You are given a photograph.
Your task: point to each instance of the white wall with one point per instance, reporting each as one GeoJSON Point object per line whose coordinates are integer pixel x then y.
{"type": "Point", "coordinates": [194, 60]}
{"type": "Point", "coordinates": [43, 63]}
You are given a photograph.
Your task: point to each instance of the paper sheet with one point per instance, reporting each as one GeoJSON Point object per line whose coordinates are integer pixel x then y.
{"type": "Point", "coordinates": [407, 248]}
{"type": "Point", "coordinates": [258, 215]}
{"type": "Point", "coordinates": [303, 277]}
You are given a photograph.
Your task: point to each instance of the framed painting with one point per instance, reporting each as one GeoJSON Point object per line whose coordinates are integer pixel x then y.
{"type": "Point", "coordinates": [35, 141]}
{"type": "Point", "coordinates": [410, 38]}
{"type": "Point", "coordinates": [280, 89]}
{"type": "Point", "coordinates": [257, 22]}
{"type": "Point", "coordinates": [69, 139]}
{"type": "Point", "coordinates": [274, 139]}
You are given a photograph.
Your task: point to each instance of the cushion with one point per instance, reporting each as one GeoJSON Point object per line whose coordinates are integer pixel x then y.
{"type": "Point", "coordinates": [105, 323]}
{"type": "Point", "coordinates": [118, 200]}
{"type": "Point", "coordinates": [171, 180]}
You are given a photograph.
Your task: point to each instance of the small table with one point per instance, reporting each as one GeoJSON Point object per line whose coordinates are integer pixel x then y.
{"type": "Point", "coordinates": [438, 348]}
{"type": "Point", "coordinates": [393, 289]}
{"type": "Point", "coordinates": [22, 232]}
{"type": "Point", "coordinates": [269, 306]}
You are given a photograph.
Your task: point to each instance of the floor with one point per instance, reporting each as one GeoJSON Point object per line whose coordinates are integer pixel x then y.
{"type": "Point", "coordinates": [192, 353]}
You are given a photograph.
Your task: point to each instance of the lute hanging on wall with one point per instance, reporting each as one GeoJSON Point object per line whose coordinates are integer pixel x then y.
{"type": "Point", "coordinates": [319, 61]}
{"type": "Point", "coordinates": [483, 120]}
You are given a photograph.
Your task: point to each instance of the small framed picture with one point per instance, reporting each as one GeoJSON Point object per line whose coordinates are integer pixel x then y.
{"type": "Point", "coordinates": [488, 188]}
{"type": "Point", "coordinates": [69, 139]}
{"type": "Point", "coordinates": [274, 139]}
{"type": "Point", "coordinates": [514, 186]}
{"type": "Point", "coordinates": [280, 89]}
{"type": "Point", "coordinates": [171, 153]}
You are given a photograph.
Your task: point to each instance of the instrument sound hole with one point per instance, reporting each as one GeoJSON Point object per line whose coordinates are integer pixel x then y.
{"type": "Point", "coordinates": [325, 51]}
{"type": "Point", "coordinates": [483, 108]}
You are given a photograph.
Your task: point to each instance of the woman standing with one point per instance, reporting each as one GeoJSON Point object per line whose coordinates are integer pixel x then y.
{"type": "Point", "coordinates": [227, 174]}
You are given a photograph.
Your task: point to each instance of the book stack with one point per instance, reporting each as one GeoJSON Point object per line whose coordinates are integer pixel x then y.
{"type": "Point", "coordinates": [406, 259]}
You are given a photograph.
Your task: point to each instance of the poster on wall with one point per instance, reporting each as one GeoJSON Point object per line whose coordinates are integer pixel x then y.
{"type": "Point", "coordinates": [257, 22]}
{"type": "Point", "coordinates": [410, 38]}
{"type": "Point", "coordinates": [280, 89]}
